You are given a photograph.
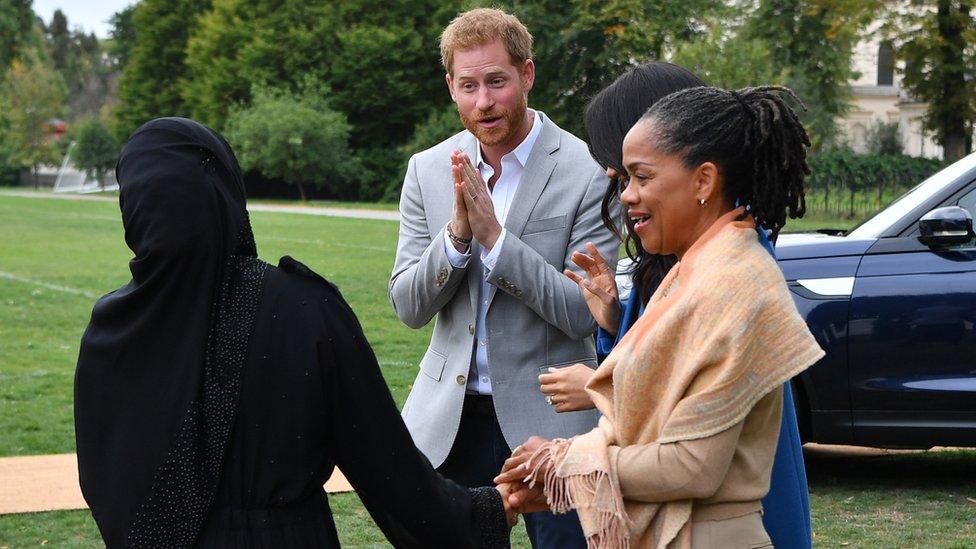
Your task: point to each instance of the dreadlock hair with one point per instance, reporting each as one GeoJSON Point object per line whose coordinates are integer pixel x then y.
{"type": "Point", "coordinates": [752, 135]}
{"type": "Point", "coordinates": [608, 117]}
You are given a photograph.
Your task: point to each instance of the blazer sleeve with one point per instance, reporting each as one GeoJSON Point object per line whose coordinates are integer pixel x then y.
{"type": "Point", "coordinates": [423, 279]}
{"type": "Point", "coordinates": [524, 273]}
{"type": "Point", "coordinates": [412, 504]}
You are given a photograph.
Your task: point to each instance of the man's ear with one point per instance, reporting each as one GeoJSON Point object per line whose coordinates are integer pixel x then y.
{"type": "Point", "coordinates": [708, 182]}
{"type": "Point", "coordinates": [527, 74]}
{"type": "Point", "coordinates": [450, 86]}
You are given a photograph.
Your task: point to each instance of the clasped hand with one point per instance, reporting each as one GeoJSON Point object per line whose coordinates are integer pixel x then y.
{"type": "Point", "coordinates": [474, 213]}
{"type": "Point", "coordinates": [517, 494]}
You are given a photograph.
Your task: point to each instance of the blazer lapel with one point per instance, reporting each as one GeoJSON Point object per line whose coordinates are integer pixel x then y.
{"type": "Point", "coordinates": [535, 177]}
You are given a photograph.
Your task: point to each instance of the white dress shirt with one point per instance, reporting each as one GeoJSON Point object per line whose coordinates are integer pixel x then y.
{"type": "Point", "coordinates": [512, 165]}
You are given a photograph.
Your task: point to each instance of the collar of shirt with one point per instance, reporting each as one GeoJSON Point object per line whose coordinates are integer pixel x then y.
{"type": "Point", "coordinates": [524, 148]}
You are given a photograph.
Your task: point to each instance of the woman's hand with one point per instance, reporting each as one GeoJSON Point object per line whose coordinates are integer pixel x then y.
{"type": "Point", "coordinates": [511, 512]}
{"type": "Point", "coordinates": [566, 387]}
{"type": "Point", "coordinates": [514, 473]}
{"type": "Point", "coordinates": [599, 287]}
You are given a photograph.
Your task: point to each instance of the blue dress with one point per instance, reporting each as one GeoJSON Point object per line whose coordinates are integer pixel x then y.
{"type": "Point", "coordinates": [786, 508]}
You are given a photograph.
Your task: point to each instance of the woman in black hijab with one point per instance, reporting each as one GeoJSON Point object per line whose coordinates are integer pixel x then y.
{"type": "Point", "coordinates": [215, 393]}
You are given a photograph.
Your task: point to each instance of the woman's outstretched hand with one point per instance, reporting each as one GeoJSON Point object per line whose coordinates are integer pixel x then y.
{"type": "Point", "coordinates": [565, 387]}
{"type": "Point", "coordinates": [521, 497]}
{"type": "Point", "coordinates": [511, 513]}
{"type": "Point", "coordinates": [599, 287]}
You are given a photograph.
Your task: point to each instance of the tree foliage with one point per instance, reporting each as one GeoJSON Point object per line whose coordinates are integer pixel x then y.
{"type": "Point", "coordinates": [123, 35]}
{"type": "Point", "coordinates": [380, 67]}
{"type": "Point", "coordinates": [78, 58]}
{"type": "Point", "coordinates": [149, 87]}
{"type": "Point", "coordinates": [937, 40]}
{"type": "Point", "coordinates": [96, 149]}
{"type": "Point", "coordinates": [583, 45]}
{"type": "Point", "coordinates": [729, 59]}
{"type": "Point", "coordinates": [32, 93]}
{"type": "Point", "coordinates": [294, 137]}
{"type": "Point", "coordinates": [814, 41]}
{"type": "Point", "coordinates": [16, 21]}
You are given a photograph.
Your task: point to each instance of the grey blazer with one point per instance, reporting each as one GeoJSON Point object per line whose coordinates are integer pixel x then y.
{"type": "Point", "coordinates": [537, 318]}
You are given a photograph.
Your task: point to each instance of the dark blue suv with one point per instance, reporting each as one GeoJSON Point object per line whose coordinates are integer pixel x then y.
{"type": "Point", "coordinates": [893, 303]}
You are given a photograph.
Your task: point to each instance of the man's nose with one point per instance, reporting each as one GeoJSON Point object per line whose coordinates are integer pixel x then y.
{"type": "Point", "coordinates": [485, 99]}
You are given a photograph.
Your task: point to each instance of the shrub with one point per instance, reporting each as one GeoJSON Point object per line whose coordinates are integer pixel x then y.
{"type": "Point", "coordinates": [884, 138]}
{"type": "Point", "coordinates": [439, 125]}
{"type": "Point", "coordinates": [294, 137]}
{"type": "Point", "coordinates": [96, 149]}
{"type": "Point", "coordinates": [842, 182]}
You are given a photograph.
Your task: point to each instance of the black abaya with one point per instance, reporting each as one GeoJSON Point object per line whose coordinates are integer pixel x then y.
{"type": "Point", "coordinates": [214, 392]}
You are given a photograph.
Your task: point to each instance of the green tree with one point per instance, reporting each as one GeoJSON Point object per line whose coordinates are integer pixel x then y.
{"type": "Point", "coordinates": [814, 41]}
{"type": "Point", "coordinates": [294, 137]}
{"type": "Point", "coordinates": [96, 149]}
{"type": "Point", "coordinates": [241, 45]}
{"type": "Point", "coordinates": [16, 21]}
{"type": "Point", "coordinates": [938, 43]}
{"type": "Point", "coordinates": [31, 94]}
{"type": "Point", "coordinates": [149, 86]}
{"type": "Point", "coordinates": [123, 35]}
{"type": "Point", "coordinates": [77, 56]}
{"type": "Point", "coordinates": [381, 66]}
{"type": "Point", "coordinates": [581, 46]}
{"type": "Point", "coordinates": [729, 59]}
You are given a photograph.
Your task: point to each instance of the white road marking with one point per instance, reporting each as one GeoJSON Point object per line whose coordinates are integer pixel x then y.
{"type": "Point", "coordinates": [48, 285]}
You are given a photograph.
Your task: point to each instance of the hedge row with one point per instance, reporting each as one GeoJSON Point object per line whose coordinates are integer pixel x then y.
{"type": "Point", "coordinates": [842, 182]}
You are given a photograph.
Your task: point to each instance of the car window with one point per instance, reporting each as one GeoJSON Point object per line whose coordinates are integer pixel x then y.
{"type": "Point", "coordinates": [968, 202]}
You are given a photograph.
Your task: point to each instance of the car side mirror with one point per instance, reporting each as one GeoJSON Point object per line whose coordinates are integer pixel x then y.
{"type": "Point", "coordinates": [949, 226]}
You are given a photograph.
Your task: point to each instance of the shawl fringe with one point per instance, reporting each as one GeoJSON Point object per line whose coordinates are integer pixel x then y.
{"type": "Point", "coordinates": [593, 491]}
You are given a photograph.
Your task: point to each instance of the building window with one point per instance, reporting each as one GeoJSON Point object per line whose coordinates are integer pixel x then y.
{"type": "Point", "coordinates": [886, 64]}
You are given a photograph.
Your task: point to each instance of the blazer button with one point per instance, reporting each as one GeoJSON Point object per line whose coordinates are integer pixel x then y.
{"type": "Point", "coordinates": [460, 380]}
{"type": "Point", "coordinates": [471, 329]}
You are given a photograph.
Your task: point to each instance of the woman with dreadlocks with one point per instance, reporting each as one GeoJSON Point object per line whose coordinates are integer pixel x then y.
{"type": "Point", "coordinates": [609, 115]}
{"type": "Point", "coordinates": [692, 395]}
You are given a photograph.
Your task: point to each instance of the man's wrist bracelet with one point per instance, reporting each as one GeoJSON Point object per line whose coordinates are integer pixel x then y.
{"type": "Point", "coordinates": [457, 239]}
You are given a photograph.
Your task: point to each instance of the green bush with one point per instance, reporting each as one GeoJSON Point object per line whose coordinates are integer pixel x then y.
{"type": "Point", "coordinates": [296, 138]}
{"type": "Point", "coordinates": [885, 138]}
{"type": "Point", "coordinates": [439, 125]}
{"type": "Point", "coordinates": [842, 182]}
{"type": "Point", "coordinates": [96, 149]}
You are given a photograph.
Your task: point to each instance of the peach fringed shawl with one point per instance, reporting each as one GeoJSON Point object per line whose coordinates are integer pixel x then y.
{"type": "Point", "coordinates": [720, 333]}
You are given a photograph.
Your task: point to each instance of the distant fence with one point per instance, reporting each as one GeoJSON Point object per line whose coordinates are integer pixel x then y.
{"type": "Point", "coordinates": [853, 185]}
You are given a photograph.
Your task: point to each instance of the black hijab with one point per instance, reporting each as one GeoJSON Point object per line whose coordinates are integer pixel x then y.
{"type": "Point", "coordinates": [159, 369]}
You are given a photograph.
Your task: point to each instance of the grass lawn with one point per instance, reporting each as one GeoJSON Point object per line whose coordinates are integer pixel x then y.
{"type": "Point", "coordinates": [58, 256]}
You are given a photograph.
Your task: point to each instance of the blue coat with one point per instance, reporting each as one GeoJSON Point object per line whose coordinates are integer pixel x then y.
{"type": "Point", "coordinates": [786, 508]}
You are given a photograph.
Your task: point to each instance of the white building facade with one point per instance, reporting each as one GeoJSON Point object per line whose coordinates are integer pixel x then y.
{"type": "Point", "coordinates": [879, 97]}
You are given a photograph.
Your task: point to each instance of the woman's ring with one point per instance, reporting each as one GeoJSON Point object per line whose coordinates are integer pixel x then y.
{"type": "Point", "coordinates": [549, 400]}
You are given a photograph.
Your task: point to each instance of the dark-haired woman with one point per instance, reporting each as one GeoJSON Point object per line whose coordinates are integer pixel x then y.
{"type": "Point", "coordinates": [215, 393]}
{"type": "Point", "coordinates": [611, 113]}
{"type": "Point", "coordinates": [692, 395]}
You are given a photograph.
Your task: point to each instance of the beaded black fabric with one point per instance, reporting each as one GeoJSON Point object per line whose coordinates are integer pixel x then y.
{"type": "Point", "coordinates": [489, 517]}
{"type": "Point", "coordinates": [184, 485]}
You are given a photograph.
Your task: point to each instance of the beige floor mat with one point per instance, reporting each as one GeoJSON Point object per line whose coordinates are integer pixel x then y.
{"type": "Point", "coordinates": [50, 483]}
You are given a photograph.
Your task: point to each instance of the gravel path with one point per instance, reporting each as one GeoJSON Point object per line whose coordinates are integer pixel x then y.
{"type": "Point", "coordinates": [357, 213]}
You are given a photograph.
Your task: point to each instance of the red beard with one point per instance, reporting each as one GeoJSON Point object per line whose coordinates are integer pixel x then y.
{"type": "Point", "coordinates": [511, 121]}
